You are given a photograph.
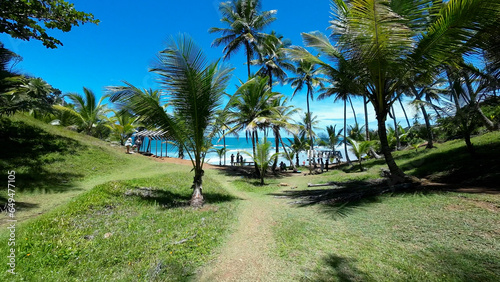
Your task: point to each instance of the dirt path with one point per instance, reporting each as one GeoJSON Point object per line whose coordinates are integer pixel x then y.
{"type": "Point", "coordinates": [247, 255]}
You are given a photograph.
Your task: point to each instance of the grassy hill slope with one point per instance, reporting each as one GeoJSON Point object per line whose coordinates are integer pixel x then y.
{"type": "Point", "coordinates": [88, 211]}
{"type": "Point", "coordinates": [53, 164]}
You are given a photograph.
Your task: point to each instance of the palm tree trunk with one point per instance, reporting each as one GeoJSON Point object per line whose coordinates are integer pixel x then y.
{"type": "Point", "coordinates": [247, 47]}
{"type": "Point", "coordinates": [310, 128]}
{"type": "Point", "coordinates": [367, 131]}
{"type": "Point", "coordinates": [277, 144]}
{"type": "Point", "coordinates": [353, 111]}
{"type": "Point", "coordinates": [397, 174]}
{"type": "Point", "coordinates": [224, 140]}
{"type": "Point", "coordinates": [254, 138]}
{"type": "Point", "coordinates": [197, 196]}
{"type": "Point", "coordinates": [404, 111]}
{"type": "Point", "coordinates": [345, 132]}
{"type": "Point", "coordinates": [490, 125]}
{"type": "Point", "coordinates": [430, 136]}
{"type": "Point", "coordinates": [396, 129]}
{"type": "Point", "coordinates": [286, 153]}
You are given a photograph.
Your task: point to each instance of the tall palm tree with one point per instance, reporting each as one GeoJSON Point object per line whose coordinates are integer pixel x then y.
{"type": "Point", "coordinates": [250, 109]}
{"type": "Point", "coordinates": [467, 88]}
{"type": "Point", "coordinates": [272, 58]}
{"type": "Point", "coordinates": [308, 77]}
{"type": "Point", "coordinates": [345, 83]}
{"type": "Point", "coordinates": [195, 89]}
{"type": "Point", "coordinates": [389, 39]}
{"type": "Point", "coordinates": [282, 119]}
{"type": "Point", "coordinates": [89, 111]}
{"type": "Point", "coordinates": [424, 90]}
{"type": "Point", "coordinates": [308, 126]}
{"type": "Point", "coordinates": [221, 127]}
{"type": "Point", "coordinates": [245, 22]}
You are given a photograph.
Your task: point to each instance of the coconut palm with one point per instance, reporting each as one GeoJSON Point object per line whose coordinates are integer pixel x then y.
{"type": "Point", "coordinates": [297, 145]}
{"type": "Point", "coordinates": [345, 83]}
{"type": "Point", "coordinates": [424, 90]}
{"type": "Point", "coordinates": [263, 157]}
{"type": "Point", "coordinates": [221, 152]}
{"type": "Point", "coordinates": [122, 125]}
{"type": "Point", "coordinates": [221, 126]}
{"type": "Point", "coordinates": [332, 139]}
{"type": "Point", "coordinates": [389, 39]}
{"type": "Point", "coordinates": [272, 58]}
{"type": "Point", "coordinates": [89, 112]}
{"type": "Point", "coordinates": [194, 90]}
{"type": "Point", "coordinates": [467, 89]}
{"type": "Point", "coordinates": [309, 77]}
{"type": "Point", "coordinates": [359, 149]}
{"type": "Point", "coordinates": [250, 109]}
{"type": "Point", "coordinates": [282, 120]}
{"type": "Point", "coordinates": [245, 22]}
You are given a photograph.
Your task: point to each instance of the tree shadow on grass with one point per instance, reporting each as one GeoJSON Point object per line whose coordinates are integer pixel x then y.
{"type": "Point", "coordinates": [463, 264]}
{"type": "Point", "coordinates": [344, 198]}
{"type": "Point", "coordinates": [336, 268]}
{"type": "Point", "coordinates": [27, 150]}
{"type": "Point", "coordinates": [167, 199]}
{"type": "Point", "coordinates": [458, 166]}
{"type": "Point", "coordinates": [455, 264]}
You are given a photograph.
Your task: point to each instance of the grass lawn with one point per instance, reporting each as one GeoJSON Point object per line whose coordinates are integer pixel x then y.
{"type": "Point", "coordinates": [425, 235]}
{"type": "Point", "coordinates": [413, 237]}
{"type": "Point", "coordinates": [89, 212]}
{"type": "Point", "coordinates": [53, 165]}
{"type": "Point", "coordinates": [130, 230]}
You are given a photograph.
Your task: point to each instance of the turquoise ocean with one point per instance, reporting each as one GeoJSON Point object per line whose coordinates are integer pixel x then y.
{"type": "Point", "coordinates": [233, 146]}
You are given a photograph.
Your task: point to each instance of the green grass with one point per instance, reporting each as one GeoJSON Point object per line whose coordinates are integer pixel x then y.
{"type": "Point", "coordinates": [417, 237]}
{"type": "Point", "coordinates": [147, 220]}
{"type": "Point", "coordinates": [413, 236]}
{"type": "Point", "coordinates": [84, 189]}
{"type": "Point", "coordinates": [53, 164]}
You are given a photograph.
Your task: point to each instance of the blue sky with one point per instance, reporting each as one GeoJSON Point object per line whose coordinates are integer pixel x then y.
{"type": "Point", "coordinates": [125, 43]}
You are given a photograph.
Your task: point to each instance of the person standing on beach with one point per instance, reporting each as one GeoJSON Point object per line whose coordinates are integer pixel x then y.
{"type": "Point", "coordinates": [238, 157]}
{"type": "Point", "coordinates": [128, 143]}
{"type": "Point", "coordinates": [232, 159]}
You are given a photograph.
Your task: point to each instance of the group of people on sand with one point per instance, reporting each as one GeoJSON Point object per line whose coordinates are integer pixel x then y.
{"type": "Point", "coordinates": [239, 159]}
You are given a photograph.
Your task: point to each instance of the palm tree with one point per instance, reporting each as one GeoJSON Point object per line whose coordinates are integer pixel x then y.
{"type": "Point", "coordinates": [195, 89]}
{"type": "Point", "coordinates": [221, 126]}
{"type": "Point", "coordinates": [467, 88]}
{"type": "Point", "coordinates": [308, 76]}
{"type": "Point", "coordinates": [272, 58]}
{"type": "Point", "coordinates": [332, 139]}
{"type": "Point", "coordinates": [122, 125]}
{"type": "Point", "coordinates": [221, 152]}
{"type": "Point", "coordinates": [424, 90]}
{"type": "Point", "coordinates": [263, 157]}
{"type": "Point", "coordinates": [359, 149]}
{"type": "Point", "coordinates": [297, 145]}
{"type": "Point", "coordinates": [282, 120]}
{"type": "Point", "coordinates": [389, 39]}
{"type": "Point", "coordinates": [244, 22]}
{"type": "Point", "coordinates": [308, 126]}
{"type": "Point", "coordinates": [345, 83]}
{"type": "Point", "coordinates": [356, 132]}
{"type": "Point", "coordinates": [87, 109]}
{"type": "Point", "coordinates": [250, 108]}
